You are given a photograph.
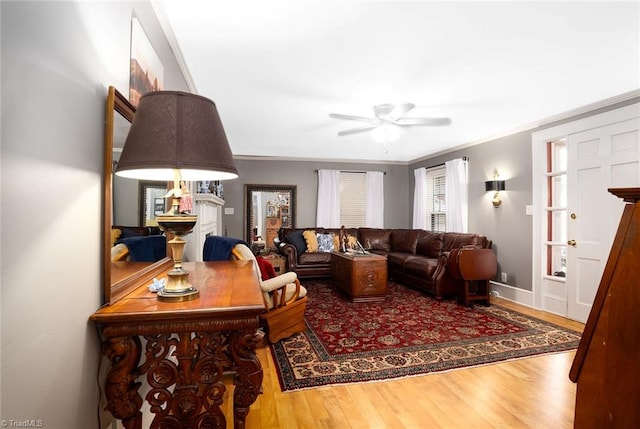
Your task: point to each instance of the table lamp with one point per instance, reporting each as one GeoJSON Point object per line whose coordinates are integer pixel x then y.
{"type": "Point", "coordinates": [176, 136]}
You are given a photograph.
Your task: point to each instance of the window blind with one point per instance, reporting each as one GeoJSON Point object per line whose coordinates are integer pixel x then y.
{"type": "Point", "coordinates": [435, 197]}
{"type": "Point", "coordinates": [352, 199]}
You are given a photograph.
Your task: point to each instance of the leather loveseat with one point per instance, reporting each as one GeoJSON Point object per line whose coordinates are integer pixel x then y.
{"type": "Point", "coordinates": [415, 258]}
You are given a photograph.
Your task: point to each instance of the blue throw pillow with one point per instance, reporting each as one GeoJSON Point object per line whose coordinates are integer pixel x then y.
{"type": "Point", "coordinates": [297, 239]}
{"type": "Point", "coordinates": [325, 243]}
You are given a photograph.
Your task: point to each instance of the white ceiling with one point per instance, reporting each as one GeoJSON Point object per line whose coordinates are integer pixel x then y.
{"type": "Point", "coordinates": [276, 69]}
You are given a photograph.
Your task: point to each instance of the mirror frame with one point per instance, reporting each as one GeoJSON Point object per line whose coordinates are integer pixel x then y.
{"type": "Point", "coordinates": [113, 291]}
{"type": "Point", "coordinates": [248, 209]}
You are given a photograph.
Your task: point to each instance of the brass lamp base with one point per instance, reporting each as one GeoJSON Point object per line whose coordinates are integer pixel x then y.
{"type": "Point", "coordinates": [178, 288]}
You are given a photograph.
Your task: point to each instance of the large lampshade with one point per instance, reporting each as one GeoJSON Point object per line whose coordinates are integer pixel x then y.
{"type": "Point", "coordinates": [176, 136]}
{"type": "Point", "coordinates": [174, 130]}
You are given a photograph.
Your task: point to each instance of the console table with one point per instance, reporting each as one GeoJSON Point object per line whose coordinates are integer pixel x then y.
{"type": "Point", "coordinates": [186, 347]}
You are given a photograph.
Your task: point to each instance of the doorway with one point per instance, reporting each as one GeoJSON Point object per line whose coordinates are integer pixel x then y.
{"type": "Point", "coordinates": [573, 234]}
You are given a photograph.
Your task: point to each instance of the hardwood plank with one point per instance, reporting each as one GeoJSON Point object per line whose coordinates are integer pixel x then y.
{"type": "Point", "coordinates": [525, 393]}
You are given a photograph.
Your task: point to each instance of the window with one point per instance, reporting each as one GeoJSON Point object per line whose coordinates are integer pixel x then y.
{"type": "Point", "coordinates": [352, 198]}
{"type": "Point", "coordinates": [435, 198]}
{"type": "Point", "coordinates": [556, 208]}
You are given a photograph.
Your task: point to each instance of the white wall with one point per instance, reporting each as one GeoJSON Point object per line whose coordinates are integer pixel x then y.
{"type": "Point", "coordinates": [58, 58]}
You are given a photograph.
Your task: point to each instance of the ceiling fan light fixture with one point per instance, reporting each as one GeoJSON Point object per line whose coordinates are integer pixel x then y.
{"type": "Point", "coordinates": [386, 133]}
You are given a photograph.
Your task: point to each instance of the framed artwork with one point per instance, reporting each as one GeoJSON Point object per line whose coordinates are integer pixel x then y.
{"type": "Point", "coordinates": [151, 201]}
{"type": "Point", "coordinates": [146, 72]}
{"type": "Point", "coordinates": [272, 210]}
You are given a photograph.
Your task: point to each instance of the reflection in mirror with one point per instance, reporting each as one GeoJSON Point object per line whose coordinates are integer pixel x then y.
{"type": "Point", "coordinates": [120, 205]}
{"type": "Point", "coordinates": [151, 201]}
{"type": "Point", "coordinates": [267, 209]}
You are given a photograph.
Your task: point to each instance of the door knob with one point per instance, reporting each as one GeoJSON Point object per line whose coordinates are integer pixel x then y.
{"type": "Point", "coordinates": [571, 242]}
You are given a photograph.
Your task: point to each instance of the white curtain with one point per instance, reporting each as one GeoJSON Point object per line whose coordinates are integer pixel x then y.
{"type": "Point", "coordinates": [374, 212]}
{"type": "Point", "coordinates": [456, 195]}
{"type": "Point", "coordinates": [419, 203]}
{"type": "Point", "coordinates": [328, 209]}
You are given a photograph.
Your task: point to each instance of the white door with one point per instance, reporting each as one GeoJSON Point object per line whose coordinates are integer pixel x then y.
{"type": "Point", "coordinates": [601, 158]}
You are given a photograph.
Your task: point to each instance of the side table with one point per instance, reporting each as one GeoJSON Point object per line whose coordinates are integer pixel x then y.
{"type": "Point", "coordinates": [473, 267]}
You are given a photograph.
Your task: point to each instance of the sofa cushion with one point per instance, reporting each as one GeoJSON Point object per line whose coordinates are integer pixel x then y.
{"type": "Point", "coordinates": [307, 258]}
{"type": "Point", "coordinates": [429, 244]}
{"type": "Point", "coordinates": [325, 243]}
{"type": "Point", "coordinates": [297, 239]}
{"type": "Point", "coordinates": [311, 240]}
{"type": "Point", "coordinates": [375, 238]}
{"type": "Point", "coordinates": [397, 258]}
{"type": "Point", "coordinates": [420, 266]}
{"type": "Point", "coordinates": [404, 240]}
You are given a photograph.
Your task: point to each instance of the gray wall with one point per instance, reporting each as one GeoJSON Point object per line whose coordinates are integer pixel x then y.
{"type": "Point", "coordinates": [303, 175]}
{"type": "Point", "coordinates": [507, 226]}
{"type": "Point", "coordinates": [58, 58]}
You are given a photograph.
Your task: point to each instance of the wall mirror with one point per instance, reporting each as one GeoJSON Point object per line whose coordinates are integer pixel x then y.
{"type": "Point", "coordinates": [267, 209]}
{"type": "Point", "coordinates": [121, 204]}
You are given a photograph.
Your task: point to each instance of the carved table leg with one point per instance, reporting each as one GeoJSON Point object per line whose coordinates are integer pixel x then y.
{"type": "Point", "coordinates": [248, 380]}
{"type": "Point", "coordinates": [184, 371]}
{"type": "Point", "coordinates": [121, 390]}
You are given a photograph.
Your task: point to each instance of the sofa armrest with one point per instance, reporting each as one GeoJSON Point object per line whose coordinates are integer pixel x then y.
{"type": "Point", "coordinates": [441, 267]}
{"type": "Point", "coordinates": [290, 253]}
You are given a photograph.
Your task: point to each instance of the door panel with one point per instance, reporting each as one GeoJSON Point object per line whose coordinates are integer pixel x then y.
{"type": "Point", "coordinates": [599, 159]}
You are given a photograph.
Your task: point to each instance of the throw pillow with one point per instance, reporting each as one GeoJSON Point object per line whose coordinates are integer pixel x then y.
{"type": "Point", "coordinates": [119, 252]}
{"type": "Point", "coordinates": [115, 234]}
{"type": "Point", "coordinates": [325, 243]}
{"type": "Point", "coordinates": [297, 239]}
{"type": "Point", "coordinates": [311, 240]}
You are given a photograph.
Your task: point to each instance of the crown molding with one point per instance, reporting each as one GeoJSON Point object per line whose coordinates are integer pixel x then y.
{"type": "Point", "coordinates": [543, 123]}
{"type": "Point", "coordinates": [332, 160]}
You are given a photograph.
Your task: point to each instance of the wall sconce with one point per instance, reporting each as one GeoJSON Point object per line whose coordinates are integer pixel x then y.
{"type": "Point", "coordinates": [496, 186]}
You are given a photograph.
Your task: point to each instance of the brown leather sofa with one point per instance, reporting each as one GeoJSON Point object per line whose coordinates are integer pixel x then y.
{"type": "Point", "coordinates": [415, 258]}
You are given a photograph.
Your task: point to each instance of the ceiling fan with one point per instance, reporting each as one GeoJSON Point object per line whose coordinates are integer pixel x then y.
{"type": "Point", "coordinates": [388, 114]}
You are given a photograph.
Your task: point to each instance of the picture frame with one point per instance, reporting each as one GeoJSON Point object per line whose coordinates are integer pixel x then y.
{"type": "Point", "coordinates": [151, 201]}
{"type": "Point", "coordinates": [146, 71]}
{"type": "Point", "coordinates": [272, 210]}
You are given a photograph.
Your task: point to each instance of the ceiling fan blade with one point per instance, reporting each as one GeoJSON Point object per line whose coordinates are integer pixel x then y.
{"type": "Point", "coordinates": [382, 110]}
{"type": "Point", "coordinates": [400, 110]}
{"type": "Point", "coordinates": [434, 122]}
{"type": "Point", "coordinates": [357, 130]}
{"type": "Point", "coordinates": [350, 117]}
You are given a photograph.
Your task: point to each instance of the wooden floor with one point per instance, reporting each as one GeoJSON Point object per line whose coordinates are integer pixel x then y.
{"type": "Point", "coordinates": [526, 393]}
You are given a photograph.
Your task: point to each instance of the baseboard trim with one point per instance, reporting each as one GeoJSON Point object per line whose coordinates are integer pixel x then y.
{"type": "Point", "coordinates": [511, 293]}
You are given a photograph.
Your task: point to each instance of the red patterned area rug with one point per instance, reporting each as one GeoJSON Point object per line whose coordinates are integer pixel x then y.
{"type": "Point", "coordinates": [408, 334]}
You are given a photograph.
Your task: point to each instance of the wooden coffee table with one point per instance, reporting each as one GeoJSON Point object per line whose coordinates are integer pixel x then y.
{"type": "Point", "coordinates": [362, 277]}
